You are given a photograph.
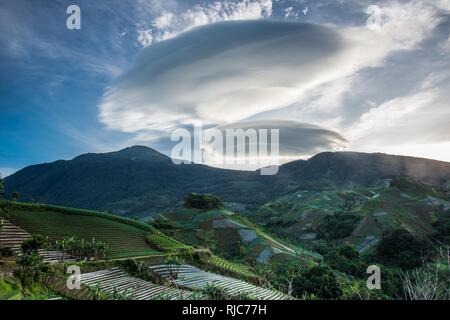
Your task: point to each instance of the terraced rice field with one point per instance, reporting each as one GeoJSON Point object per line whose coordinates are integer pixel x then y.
{"type": "Point", "coordinates": [12, 236]}
{"type": "Point", "coordinates": [164, 243]}
{"type": "Point", "coordinates": [233, 268]}
{"type": "Point", "coordinates": [123, 240]}
{"type": "Point", "coordinates": [195, 279]}
{"type": "Point", "coordinates": [137, 289]}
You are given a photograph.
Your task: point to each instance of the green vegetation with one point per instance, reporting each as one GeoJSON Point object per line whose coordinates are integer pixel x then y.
{"type": "Point", "coordinates": [30, 268]}
{"type": "Point", "coordinates": [164, 243]}
{"type": "Point", "coordinates": [337, 226]}
{"type": "Point", "coordinates": [319, 281]}
{"type": "Point", "coordinates": [215, 292]}
{"type": "Point", "coordinates": [81, 249]}
{"type": "Point", "coordinates": [34, 244]}
{"type": "Point", "coordinates": [401, 248]}
{"type": "Point", "coordinates": [6, 252]}
{"type": "Point", "coordinates": [342, 258]}
{"type": "Point", "coordinates": [234, 269]}
{"type": "Point", "coordinates": [173, 264]}
{"type": "Point", "coordinates": [124, 237]}
{"type": "Point", "coordinates": [11, 289]}
{"type": "Point", "coordinates": [202, 202]}
{"type": "Point", "coordinates": [442, 227]}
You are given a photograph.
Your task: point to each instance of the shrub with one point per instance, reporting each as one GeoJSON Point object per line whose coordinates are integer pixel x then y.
{"type": "Point", "coordinates": [402, 249]}
{"type": "Point", "coordinates": [121, 295]}
{"type": "Point", "coordinates": [6, 252]}
{"type": "Point", "coordinates": [202, 201]}
{"type": "Point", "coordinates": [34, 244]}
{"type": "Point", "coordinates": [30, 267]}
{"type": "Point", "coordinates": [442, 227]}
{"type": "Point", "coordinates": [173, 264]}
{"type": "Point", "coordinates": [82, 250]}
{"type": "Point", "coordinates": [136, 269]}
{"type": "Point", "coordinates": [97, 292]}
{"type": "Point", "coordinates": [338, 226]}
{"type": "Point", "coordinates": [215, 292]}
{"type": "Point", "coordinates": [319, 281]}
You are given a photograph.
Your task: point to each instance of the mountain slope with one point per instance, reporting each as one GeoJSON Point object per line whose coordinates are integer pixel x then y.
{"type": "Point", "coordinates": [358, 216]}
{"type": "Point", "coordinates": [135, 180]}
{"type": "Point", "coordinates": [140, 181]}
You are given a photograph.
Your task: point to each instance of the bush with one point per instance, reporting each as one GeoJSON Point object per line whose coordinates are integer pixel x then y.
{"type": "Point", "coordinates": [345, 259]}
{"type": "Point", "coordinates": [6, 252]}
{"type": "Point", "coordinates": [402, 249]}
{"type": "Point", "coordinates": [34, 244]}
{"type": "Point", "coordinates": [202, 201]}
{"type": "Point", "coordinates": [30, 267]}
{"type": "Point", "coordinates": [338, 226]}
{"type": "Point", "coordinates": [442, 227]}
{"type": "Point", "coordinates": [136, 269]}
{"type": "Point", "coordinates": [81, 249]}
{"type": "Point", "coordinates": [215, 292]}
{"type": "Point", "coordinates": [173, 264]}
{"type": "Point", "coordinates": [319, 281]}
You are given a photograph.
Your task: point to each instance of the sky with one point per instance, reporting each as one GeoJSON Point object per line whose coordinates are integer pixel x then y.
{"type": "Point", "coordinates": [331, 75]}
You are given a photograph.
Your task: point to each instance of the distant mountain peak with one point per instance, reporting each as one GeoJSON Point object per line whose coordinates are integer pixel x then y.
{"type": "Point", "coordinates": [133, 153]}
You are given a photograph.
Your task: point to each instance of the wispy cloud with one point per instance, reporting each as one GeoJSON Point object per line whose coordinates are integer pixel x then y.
{"type": "Point", "coordinates": [6, 171]}
{"type": "Point", "coordinates": [168, 24]}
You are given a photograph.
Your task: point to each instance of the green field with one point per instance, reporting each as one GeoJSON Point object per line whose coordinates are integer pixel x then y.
{"type": "Point", "coordinates": [124, 237]}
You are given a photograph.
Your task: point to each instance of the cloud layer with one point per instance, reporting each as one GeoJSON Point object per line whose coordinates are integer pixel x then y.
{"type": "Point", "coordinates": [220, 73]}
{"type": "Point", "coordinates": [233, 71]}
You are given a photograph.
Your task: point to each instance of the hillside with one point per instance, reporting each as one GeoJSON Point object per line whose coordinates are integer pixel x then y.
{"type": "Point", "coordinates": [356, 216]}
{"type": "Point", "coordinates": [124, 237]}
{"type": "Point", "coordinates": [230, 236]}
{"type": "Point", "coordinates": [140, 182]}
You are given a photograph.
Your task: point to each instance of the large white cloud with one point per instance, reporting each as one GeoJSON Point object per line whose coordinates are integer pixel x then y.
{"type": "Point", "coordinates": [221, 73]}
{"type": "Point", "coordinates": [231, 71]}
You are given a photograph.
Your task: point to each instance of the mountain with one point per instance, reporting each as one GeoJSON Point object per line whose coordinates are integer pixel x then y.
{"type": "Point", "coordinates": [365, 169]}
{"type": "Point", "coordinates": [140, 181]}
{"type": "Point", "coordinates": [136, 180]}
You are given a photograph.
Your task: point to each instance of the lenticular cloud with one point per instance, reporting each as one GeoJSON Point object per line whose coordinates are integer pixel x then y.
{"type": "Point", "coordinates": [219, 73]}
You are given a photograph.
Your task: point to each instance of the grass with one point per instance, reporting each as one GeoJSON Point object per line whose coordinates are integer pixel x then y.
{"type": "Point", "coordinates": [11, 289]}
{"type": "Point", "coordinates": [231, 268]}
{"type": "Point", "coordinates": [124, 237]}
{"type": "Point", "coordinates": [164, 243]}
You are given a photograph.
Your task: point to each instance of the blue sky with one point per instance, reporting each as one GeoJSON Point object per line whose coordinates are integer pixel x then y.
{"type": "Point", "coordinates": [139, 69]}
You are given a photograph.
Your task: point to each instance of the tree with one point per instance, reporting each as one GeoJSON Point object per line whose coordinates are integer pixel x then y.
{"type": "Point", "coordinates": [337, 226]}
{"type": "Point", "coordinates": [173, 264]}
{"type": "Point", "coordinates": [30, 267]}
{"type": "Point", "coordinates": [319, 281]}
{"type": "Point", "coordinates": [15, 195]}
{"type": "Point", "coordinates": [34, 244]}
{"type": "Point", "coordinates": [202, 201]}
{"type": "Point", "coordinates": [442, 227]}
{"type": "Point", "coordinates": [402, 249]}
